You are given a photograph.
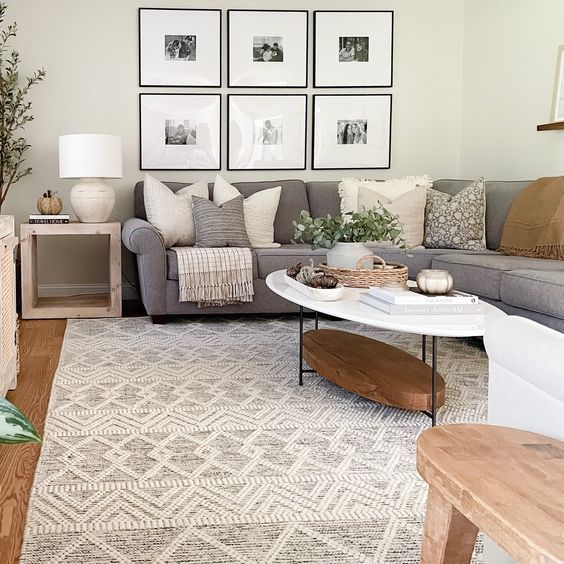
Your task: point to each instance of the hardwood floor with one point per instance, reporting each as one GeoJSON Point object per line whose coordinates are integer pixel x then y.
{"type": "Point", "coordinates": [40, 347]}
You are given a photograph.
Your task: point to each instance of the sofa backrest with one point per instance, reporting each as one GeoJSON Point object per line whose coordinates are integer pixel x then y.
{"type": "Point", "coordinates": [499, 196]}
{"type": "Point", "coordinates": [293, 199]}
{"type": "Point", "coordinates": [324, 198]}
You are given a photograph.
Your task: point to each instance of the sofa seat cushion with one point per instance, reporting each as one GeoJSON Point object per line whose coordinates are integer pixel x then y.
{"type": "Point", "coordinates": [271, 260]}
{"type": "Point", "coordinates": [540, 291]}
{"type": "Point", "coordinates": [415, 259]}
{"type": "Point", "coordinates": [481, 273]}
{"type": "Point", "coordinates": [172, 265]}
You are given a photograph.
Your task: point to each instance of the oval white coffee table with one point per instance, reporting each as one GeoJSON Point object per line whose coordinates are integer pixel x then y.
{"type": "Point", "coordinates": [373, 369]}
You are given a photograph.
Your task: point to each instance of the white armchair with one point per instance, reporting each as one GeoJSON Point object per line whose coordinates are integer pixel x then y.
{"type": "Point", "coordinates": [526, 385]}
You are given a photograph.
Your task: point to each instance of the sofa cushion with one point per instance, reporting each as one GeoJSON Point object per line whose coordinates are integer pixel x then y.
{"type": "Point", "coordinates": [172, 265]}
{"type": "Point", "coordinates": [540, 291]}
{"type": "Point", "coordinates": [499, 196]}
{"type": "Point", "coordinates": [481, 273]}
{"type": "Point", "coordinates": [270, 260]}
{"type": "Point", "coordinates": [415, 259]}
{"type": "Point", "coordinates": [293, 199]}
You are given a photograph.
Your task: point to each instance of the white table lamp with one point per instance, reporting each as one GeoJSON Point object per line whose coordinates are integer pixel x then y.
{"type": "Point", "coordinates": [92, 158]}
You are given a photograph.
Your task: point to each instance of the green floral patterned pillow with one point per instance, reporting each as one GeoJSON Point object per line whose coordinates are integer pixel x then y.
{"type": "Point", "coordinates": [457, 222]}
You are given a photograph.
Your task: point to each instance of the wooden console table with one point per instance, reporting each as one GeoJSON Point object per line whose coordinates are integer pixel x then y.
{"type": "Point", "coordinates": [97, 305]}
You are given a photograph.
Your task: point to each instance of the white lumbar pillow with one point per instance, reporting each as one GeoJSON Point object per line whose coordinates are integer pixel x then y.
{"type": "Point", "coordinates": [409, 207]}
{"type": "Point", "coordinates": [170, 213]}
{"type": "Point", "coordinates": [259, 209]}
{"type": "Point", "coordinates": [390, 189]}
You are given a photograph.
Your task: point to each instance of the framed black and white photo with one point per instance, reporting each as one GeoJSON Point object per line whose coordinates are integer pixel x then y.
{"type": "Point", "coordinates": [353, 48]}
{"type": "Point", "coordinates": [266, 132]}
{"type": "Point", "coordinates": [351, 131]}
{"type": "Point", "coordinates": [180, 131]}
{"type": "Point", "coordinates": [179, 47]}
{"type": "Point", "coordinates": [267, 48]}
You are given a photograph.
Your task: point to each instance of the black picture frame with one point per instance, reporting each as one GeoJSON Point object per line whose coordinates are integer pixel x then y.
{"type": "Point", "coordinates": [219, 142]}
{"type": "Point", "coordinates": [313, 129]}
{"type": "Point", "coordinates": [305, 99]}
{"type": "Point", "coordinates": [315, 49]}
{"type": "Point", "coordinates": [183, 85]}
{"type": "Point", "coordinates": [230, 83]}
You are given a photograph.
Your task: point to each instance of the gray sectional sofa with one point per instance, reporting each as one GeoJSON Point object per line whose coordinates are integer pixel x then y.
{"type": "Point", "coordinates": [532, 288]}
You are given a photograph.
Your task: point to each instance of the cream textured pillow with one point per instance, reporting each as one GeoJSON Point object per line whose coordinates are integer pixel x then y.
{"type": "Point", "coordinates": [409, 207]}
{"type": "Point", "coordinates": [170, 213]}
{"type": "Point", "coordinates": [390, 189]}
{"type": "Point", "coordinates": [260, 211]}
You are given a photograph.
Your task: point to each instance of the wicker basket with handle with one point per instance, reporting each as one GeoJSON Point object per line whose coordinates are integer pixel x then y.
{"type": "Point", "coordinates": [390, 273]}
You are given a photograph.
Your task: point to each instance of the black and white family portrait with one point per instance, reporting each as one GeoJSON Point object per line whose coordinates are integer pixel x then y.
{"type": "Point", "coordinates": [180, 47]}
{"type": "Point", "coordinates": [351, 132]}
{"type": "Point", "coordinates": [267, 49]}
{"type": "Point", "coordinates": [269, 132]}
{"type": "Point", "coordinates": [180, 132]}
{"type": "Point", "coordinates": [353, 49]}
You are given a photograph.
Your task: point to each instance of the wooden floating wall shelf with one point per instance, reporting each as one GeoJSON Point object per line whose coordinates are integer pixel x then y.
{"type": "Point", "coordinates": [550, 126]}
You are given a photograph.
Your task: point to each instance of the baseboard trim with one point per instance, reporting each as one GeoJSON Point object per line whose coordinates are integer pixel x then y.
{"type": "Point", "coordinates": [61, 290]}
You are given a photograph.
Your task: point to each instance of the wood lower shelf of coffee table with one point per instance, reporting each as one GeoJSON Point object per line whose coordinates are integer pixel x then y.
{"type": "Point", "coordinates": [372, 369]}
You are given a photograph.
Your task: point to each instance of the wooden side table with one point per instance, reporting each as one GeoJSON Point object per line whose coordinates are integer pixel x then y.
{"type": "Point", "coordinates": [505, 482]}
{"type": "Point", "coordinates": [97, 305]}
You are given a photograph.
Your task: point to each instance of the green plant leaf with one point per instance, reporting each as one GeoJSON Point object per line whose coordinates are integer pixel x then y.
{"type": "Point", "coordinates": [15, 427]}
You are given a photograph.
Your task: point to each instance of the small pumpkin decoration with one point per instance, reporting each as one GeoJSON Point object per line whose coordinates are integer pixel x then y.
{"type": "Point", "coordinates": [49, 204]}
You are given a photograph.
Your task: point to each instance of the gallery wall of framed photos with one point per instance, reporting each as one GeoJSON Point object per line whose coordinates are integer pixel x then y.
{"type": "Point", "coordinates": [246, 89]}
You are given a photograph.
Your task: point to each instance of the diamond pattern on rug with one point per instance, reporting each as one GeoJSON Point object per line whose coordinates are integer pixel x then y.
{"type": "Point", "coordinates": [192, 442]}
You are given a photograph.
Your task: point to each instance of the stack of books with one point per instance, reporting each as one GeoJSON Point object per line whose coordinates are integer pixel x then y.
{"type": "Point", "coordinates": [40, 218]}
{"type": "Point", "coordinates": [396, 301]}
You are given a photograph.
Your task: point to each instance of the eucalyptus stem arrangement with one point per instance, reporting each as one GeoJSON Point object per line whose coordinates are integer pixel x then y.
{"type": "Point", "coordinates": [377, 224]}
{"type": "Point", "coordinates": [15, 110]}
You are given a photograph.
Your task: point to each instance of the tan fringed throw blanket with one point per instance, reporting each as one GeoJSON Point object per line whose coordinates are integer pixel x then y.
{"type": "Point", "coordinates": [215, 277]}
{"type": "Point", "coordinates": [535, 223]}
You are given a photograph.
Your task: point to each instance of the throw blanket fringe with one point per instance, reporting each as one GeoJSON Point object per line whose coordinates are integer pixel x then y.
{"type": "Point", "coordinates": [215, 277]}
{"type": "Point", "coordinates": [535, 223]}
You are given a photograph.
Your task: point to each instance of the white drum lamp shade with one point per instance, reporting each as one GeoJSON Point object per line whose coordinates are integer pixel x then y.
{"type": "Point", "coordinates": [92, 158]}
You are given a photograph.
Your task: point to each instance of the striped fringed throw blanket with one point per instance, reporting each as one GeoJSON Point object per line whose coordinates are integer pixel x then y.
{"type": "Point", "coordinates": [215, 277]}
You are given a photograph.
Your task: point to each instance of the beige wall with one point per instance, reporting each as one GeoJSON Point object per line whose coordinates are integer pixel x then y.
{"type": "Point", "coordinates": [89, 50]}
{"type": "Point", "coordinates": [510, 49]}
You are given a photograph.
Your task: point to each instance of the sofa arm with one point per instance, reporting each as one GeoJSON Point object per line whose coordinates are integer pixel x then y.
{"type": "Point", "coordinates": [141, 238]}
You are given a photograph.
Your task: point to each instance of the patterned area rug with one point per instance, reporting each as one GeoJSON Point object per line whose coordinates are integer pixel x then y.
{"type": "Point", "coordinates": [192, 442]}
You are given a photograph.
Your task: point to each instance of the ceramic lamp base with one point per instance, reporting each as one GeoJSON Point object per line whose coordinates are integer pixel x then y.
{"type": "Point", "coordinates": [92, 200]}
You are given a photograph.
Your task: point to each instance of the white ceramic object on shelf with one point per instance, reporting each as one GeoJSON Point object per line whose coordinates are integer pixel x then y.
{"type": "Point", "coordinates": [317, 294]}
{"type": "Point", "coordinates": [347, 255]}
{"type": "Point", "coordinates": [92, 200]}
{"type": "Point", "coordinates": [433, 281]}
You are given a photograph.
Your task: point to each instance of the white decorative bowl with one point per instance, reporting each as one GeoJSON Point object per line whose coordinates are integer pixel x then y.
{"type": "Point", "coordinates": [318, 294]}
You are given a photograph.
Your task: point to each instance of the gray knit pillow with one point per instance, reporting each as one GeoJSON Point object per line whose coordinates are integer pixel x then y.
{"type": "Point", "coordinates": [220, 226]}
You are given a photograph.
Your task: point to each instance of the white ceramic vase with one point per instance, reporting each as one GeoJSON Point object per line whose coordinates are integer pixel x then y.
{"type": "Point", "coordinates": [92, 200]}
{"type": "Point", "coordinates": [347, 255]}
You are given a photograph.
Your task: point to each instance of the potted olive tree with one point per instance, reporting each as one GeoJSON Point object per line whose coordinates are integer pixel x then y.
{"type": "Point", "coordinates": [15, 427]}
{"type": "Point", "coordinates": [15, 110]}
{"type": "Point", "coordinates": [345, 235]}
